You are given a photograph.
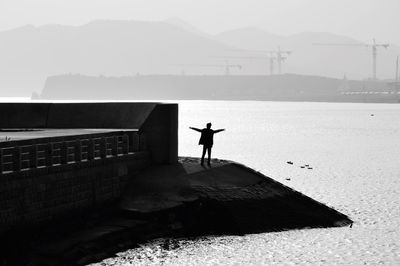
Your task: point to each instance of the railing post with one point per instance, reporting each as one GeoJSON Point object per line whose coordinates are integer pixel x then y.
{"type": "Point", "coordinates": [90, 149]}
{"type": "Point", "coordinates": [1, 161]}
{"type": "Point", "coordinates": [63, 153]}
{"type": "Point", "coordinates": [78, 150]}
{"type": "Point", "coordinates": [114, 146]}
{"type": "Point", "coordinates": [48, 154]}
{"type": "Point", "coordinates": [17, 159]}
{"type": "Point", "coordinates": [125, 144]}
{"type": "Point", "coordinates": [34, 156]}
{"type": "Point", "coordinates": [103, 147]}
{"type": "Point", "coordinates": [142, 142]}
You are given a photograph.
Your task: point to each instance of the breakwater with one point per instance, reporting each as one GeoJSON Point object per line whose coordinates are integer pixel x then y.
{"type": "Point", "coordinates": [183, 200]}
{"type": "Point", "coordinates": [77, 194]}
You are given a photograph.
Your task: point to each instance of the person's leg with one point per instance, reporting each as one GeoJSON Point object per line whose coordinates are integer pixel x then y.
{"type": "Point", "coordinates": [209, 155]}
{"type": "Point", "coordinates": [202, 156]}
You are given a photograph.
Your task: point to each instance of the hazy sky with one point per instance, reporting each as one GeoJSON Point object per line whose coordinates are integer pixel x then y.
{"type": "Point", "coordinates": [361, 19]}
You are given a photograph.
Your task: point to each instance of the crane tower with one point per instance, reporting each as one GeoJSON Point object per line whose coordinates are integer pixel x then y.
{"type": "Point", "coordinates": [272, 55]}
{"type": "Point", "coordinates": [373, 45]}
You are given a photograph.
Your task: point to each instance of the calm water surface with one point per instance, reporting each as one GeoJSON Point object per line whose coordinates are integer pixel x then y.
{"type": "Point", "coordinates": [354, 150]}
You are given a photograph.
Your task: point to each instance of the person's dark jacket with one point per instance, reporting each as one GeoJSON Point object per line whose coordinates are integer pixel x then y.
{"type": "Point", "coordinates": [207, 137]}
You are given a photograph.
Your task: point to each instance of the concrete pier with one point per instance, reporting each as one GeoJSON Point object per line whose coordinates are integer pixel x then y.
{"type": "Point", "coordinates": [227, 197]}
{"type": "Point", "coordinates": [79, 182]}
{"type": "Point", "coordinates": [180, 200]}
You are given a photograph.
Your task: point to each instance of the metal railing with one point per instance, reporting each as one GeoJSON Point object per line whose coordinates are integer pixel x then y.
{"type": "Point", "coordinates": [20, 156]}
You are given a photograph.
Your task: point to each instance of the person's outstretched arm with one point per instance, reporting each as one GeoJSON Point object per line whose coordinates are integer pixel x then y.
{"type": "Point", "coordinates": [196, 129]}
{"type": "Point", "coordinates": [219, 130]}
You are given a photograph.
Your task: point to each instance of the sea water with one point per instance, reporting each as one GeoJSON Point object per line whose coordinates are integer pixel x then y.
{"type": "Point", "coordinates": [354, 152]}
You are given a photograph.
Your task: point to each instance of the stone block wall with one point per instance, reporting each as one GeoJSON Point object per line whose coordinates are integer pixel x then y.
{"type": "Point", "coordinates": [40, 195]}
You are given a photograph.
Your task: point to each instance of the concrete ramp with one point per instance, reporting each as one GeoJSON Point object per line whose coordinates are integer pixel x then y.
{"type": "Point", "coordinates": [179, 200]}
{"type": "Point", "coordinates": [128, 115]}
{"type": "Point", "coordinates": [226, 198]}
{"type": "Point", "coordinates": [23, 115]}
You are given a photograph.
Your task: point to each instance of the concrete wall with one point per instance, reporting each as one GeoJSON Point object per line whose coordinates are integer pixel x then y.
{"type": "Point", "coordinates": [43, 194]}
{"type": "Point", "coordinates": [158, 121]}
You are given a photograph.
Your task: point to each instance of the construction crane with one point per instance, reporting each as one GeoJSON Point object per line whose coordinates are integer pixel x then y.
{"type": "Point", "coordinates": [397, 69]}
{"type": "Point", "coordinates": [279, 55]}
{"type": "Point", "coordinates": [395, 85]}
{"type": "Point", "coordinates": [373, 45]}
{"type": "Point", "coordinates": [270, 59]}
{"type": "Point", "coordinates": [227, 66]}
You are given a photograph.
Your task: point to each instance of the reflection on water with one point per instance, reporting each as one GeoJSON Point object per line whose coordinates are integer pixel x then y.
{"type": "Point", "coordinates": [353, 150]}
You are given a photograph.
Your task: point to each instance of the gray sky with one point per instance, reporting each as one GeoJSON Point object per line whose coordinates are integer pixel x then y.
{"type": "Point", "coordinates": [361, 19]}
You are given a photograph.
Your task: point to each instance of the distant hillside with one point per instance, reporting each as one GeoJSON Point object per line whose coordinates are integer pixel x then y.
{"type": "Point", "coordinates": [124, 48]}
{"type": "Point", "coordinates": [30, 54]}
{"type": "Point", "coordinates": [168, 87]}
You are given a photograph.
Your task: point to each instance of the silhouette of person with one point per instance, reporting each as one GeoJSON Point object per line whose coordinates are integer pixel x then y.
{"type": "Point", "coordinates": [207, 140]}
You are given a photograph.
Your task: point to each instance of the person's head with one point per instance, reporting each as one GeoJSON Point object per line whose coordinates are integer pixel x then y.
{"type": "Point", "coordinates": [208, 125]}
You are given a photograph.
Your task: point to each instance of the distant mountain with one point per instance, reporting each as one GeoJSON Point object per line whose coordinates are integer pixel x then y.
{"type": "Point", "coordinates": [28, 55]}
{"type": "Point", "coordinates": [177, 22]}
{"type": "Point", "coordinates": [251, 38]}
{"type": "Point", "coordinates": [320, 37]}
